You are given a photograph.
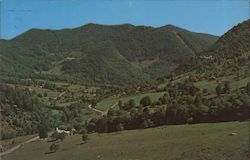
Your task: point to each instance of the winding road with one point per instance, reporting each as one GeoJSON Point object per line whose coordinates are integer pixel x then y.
{"type": "Point", "coordinates": [103, 113]}
{"type": "Point", "coordinates": [96, 110]}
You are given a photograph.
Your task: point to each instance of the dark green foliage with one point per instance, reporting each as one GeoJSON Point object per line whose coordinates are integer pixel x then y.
{"type": "Point", "coordinates": [198, 100]}
{"type": "Point", "coordinates": [106, 65]}
{"type": "Point", "coordinates": [23, 112]}
{"type": "Point", "coordinates": [120, 127]}
{"type": "Point", "coordinates": [84, 137]}
{"type": "Point", "coordinates": [145, 101]}
{"type": "Point", "coordinates": [39, 95]}
{"type": "Point", "coordinates": [147, 123]}
{"type": "Point", "coordinates": [248, 88]}
{"type": "Point", "coordinates": [120, 104]}
{"type": "Point", "coordinates": [62, 136]}
{"type": "Point", "coordinates": [43, 130]}
{"type": "Point", "coordinates": [101, 125]}
{"type": "Point", "coordinates": [73, 114]}
{"type": "Point", "coordinates": [181, 109]}
{"type": "Point", "coordinates": [232, 44]}
{"type": "Point", "coordinates": [227, 87]}
{"type": "Point", "coordinates": [200, 113]}
{"type": "Point", "coordinates": [56, 136]}
{"type": "Point", "coordinates": [129, 105]}
{"type": "Point", "coordinates": [218, 89]}
{"type": "Point", "coordinates": [171, 113]}
{"type": "Point", "coordinates": [91, 126]}
{"type": "Point", "coordinates": [228, 56]}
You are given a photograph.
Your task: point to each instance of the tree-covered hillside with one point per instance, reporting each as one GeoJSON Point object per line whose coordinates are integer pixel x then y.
{"type": "Point", "coordinates": [22, 113]}
{"type": "Point", "coordinates": [119, 51]}
{"type": "Point", "coordinates": [230, 54]}
{"type": "Point", "coordinates": [233, 43]}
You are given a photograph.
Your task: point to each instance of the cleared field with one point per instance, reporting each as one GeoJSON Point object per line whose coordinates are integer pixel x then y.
{"type": "Point", "coordinates": [240, 83]}
{"type": "Point", "coordinates": [189, 142]}
{"type": "Point", "coordinates": [211, 85]}
{"type": "Point", "coordinates": [106, 103]}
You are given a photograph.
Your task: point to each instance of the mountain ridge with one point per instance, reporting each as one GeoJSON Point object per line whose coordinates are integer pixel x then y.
{"type": "Point", "coordinates": [39, 50]}
{"type": "Point", "coordinates": [235, 41]}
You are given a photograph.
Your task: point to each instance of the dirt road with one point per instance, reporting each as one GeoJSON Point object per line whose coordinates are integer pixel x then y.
{"type": "Point", "coordinates": [103, 113]}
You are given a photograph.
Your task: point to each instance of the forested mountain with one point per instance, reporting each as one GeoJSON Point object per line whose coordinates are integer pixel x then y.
{"type": "Point", "coordinates": [117, 54]}
{"type": "Point", "coordinates": [229, 55]}
{"type": "Point", "coordinates": [233, 43]}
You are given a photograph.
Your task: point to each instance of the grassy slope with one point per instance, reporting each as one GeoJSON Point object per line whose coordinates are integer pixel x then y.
{"type": "Point", "coordinates": [8, 142]}
{"type": "Point", "coordinates": [211, 85]}
{"type": "Point", "coordinates": [189, 142]}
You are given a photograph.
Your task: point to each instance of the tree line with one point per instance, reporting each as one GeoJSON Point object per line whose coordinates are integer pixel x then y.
{"type": "Point", "coordinates": [183, 103]}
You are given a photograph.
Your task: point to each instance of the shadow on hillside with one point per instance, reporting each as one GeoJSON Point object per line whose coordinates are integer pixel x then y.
{"type": "Point", "coordinates": [81, 143]}
{"type": "Point", "coordinates": [49, 152]}
{"type": "Point", "coordinates": [52, 140]}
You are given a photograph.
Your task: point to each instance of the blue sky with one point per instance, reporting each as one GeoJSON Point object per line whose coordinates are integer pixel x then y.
{"type": "Point", "coordinates": [207, 16]}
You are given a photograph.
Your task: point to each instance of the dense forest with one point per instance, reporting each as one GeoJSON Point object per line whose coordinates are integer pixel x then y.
{"type": "Point", "coordinates": [22, 112]}
{"type": "Point", "coordinates": [113, 54]}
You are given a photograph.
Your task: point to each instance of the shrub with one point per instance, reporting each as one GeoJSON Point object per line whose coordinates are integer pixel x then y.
{"type": "Point", "coordinates": [84, 137]}
{"type": "Point", "coordinates": [57, 136]}
{"type": "Point", "coordinates": [145, 101]}
{"type": "Point", "coordinates": [62, 136]}
{"type": "Point", "coordinates": [54, 147]}
{"type": "Point", "coordinates": [218, 89]}
{"type": "Point", "coordinates": [42, 131]}
{"type": "Point", "coordinates": [39, 95]}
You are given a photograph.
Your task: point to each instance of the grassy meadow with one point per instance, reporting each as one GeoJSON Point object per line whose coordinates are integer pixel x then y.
{"type": "Point", "coordinates": [8, 143]}
{"type": "Point", "coordinates": [211, 141]}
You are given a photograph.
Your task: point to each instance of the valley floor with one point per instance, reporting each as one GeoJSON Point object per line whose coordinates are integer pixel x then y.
{"type": "Point", "coordinates": [212, 141]}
